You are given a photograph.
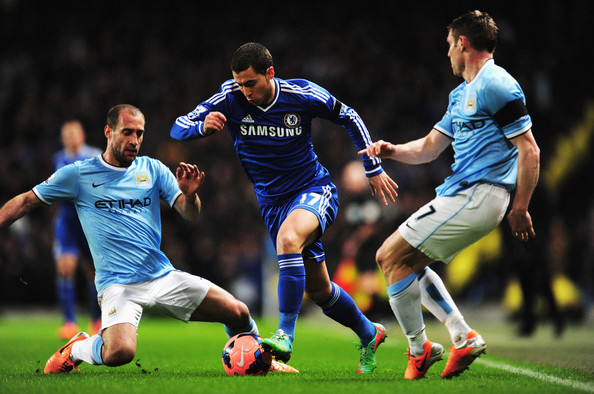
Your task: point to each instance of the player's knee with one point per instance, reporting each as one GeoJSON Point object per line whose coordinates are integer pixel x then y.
{"type": "Point", "coordinates": [66, 266]}
{"type": "Point", "coordinates": [119, 354]}
{"type": "Point", "coordinates": [239, 315]}
{"type": "Point", "coordinates": [119, 357]}
{"type": "Point", "coordinates": [66, 271]}
{"type": "Point", "coordinates": [381, 257]}
{"type": "Point", "coordinates": [288, 242]}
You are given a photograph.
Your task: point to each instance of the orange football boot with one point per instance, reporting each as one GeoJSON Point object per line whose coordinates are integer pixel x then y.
{"type": "Point", "coordinates": [279, 366]}
{"type": "Point", "coordinates": [418, 366]}
{"type": "Point", "coordinates": [60, 361]}
{"type": "Point", "coordinates": [462, 356]}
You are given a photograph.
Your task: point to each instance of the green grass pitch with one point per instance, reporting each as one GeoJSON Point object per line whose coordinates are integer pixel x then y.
{"type": "Point", "coordinates": [186, 358]}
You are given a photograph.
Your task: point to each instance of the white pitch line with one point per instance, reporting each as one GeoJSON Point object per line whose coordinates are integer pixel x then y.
{"type": "Point", "coordinates": [537, 375]}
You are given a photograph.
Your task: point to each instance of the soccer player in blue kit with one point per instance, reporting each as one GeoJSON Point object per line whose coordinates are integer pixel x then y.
{"type": "Point", "coordinates": [117, 197]}
{"type": "Point", "coordinates": [269, 120]}
{"type": "Point", "coordinates": [70, 244]}
{"type": "Point", "coordinates": [495, 154]}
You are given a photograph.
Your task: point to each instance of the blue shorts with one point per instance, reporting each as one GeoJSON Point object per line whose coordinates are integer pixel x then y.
{"type": "Point", "coordinates": [320, 200]}
{"type": "Point", "coordinates": [69, 237]}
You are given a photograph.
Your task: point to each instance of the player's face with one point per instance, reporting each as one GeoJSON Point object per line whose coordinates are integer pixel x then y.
{"type": "Point", "coordinates": [455, 54]}
{"type": "Point", "coordinates": [258, 89]}
{"type": "Point", "coordinates": [124, 142]}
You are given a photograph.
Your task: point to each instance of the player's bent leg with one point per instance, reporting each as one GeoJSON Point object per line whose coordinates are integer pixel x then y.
{"type": "Point", "coordinates": [119, 344]}
{"type": "Point", "coordinates": [338, 305]}
{"type": "Point", "coordinates": [220, 306]}
{"type": "Point", "coordinates": [396, 255]}
{"type": "Point", "coordinates": [300, 228]}
{"type": "Point", "coordinates": [400, 264]}
{"type": "Point", "coordinates": [318, 286]}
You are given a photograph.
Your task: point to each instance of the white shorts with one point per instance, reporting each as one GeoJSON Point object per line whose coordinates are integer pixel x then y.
{"type": "Point", "coordinates": [447, 224]}
{"type": "Point", "coordinates": [176, 294]}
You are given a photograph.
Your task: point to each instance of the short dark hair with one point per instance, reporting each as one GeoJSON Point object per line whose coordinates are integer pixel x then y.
{"type": "Point", "coordinates": [251, 54]}
{"type": "Point", "coordinates": [113, 115]}
{"type": "Point", "coordinates": [478, 27]}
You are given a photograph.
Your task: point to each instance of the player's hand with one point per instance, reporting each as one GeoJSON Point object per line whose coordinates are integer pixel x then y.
{"type": "Point", "coordinates": [214, 121]}
{"type": "Point", "coordinates": [385, 186]}
{"type": "Point", "coordinates": [381, 149]}
{"type": "Point", "coordinates": [521, 224]}
{"type": "Point", "coordinates": [189, 178]}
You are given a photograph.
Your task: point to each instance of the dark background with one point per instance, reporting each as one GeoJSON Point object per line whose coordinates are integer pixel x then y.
{"type": "Point", "coordinates": [387, 60]}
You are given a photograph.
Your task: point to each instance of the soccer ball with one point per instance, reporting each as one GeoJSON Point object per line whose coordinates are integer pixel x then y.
{"type": "Point", "coordinates": [243, 355]}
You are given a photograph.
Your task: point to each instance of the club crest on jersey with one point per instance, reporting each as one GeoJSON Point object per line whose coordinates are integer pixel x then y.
{"type": "Point", "coordinates": [142, 180]}
{"type": "Point", "coordinates": [292, 120]}
{"type": "Point", "coordinates": [470, 106]}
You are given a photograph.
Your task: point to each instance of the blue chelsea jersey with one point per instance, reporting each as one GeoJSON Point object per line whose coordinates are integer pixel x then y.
{"type": "Point", "coordinates": [274, 143]}
{"type": "Point", "coordinates": [119, 210]}
{"type": "Point", "coordinates": [482, 150]}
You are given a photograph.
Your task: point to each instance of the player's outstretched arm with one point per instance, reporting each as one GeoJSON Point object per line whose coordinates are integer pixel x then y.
{"type": "Point", "coordinates": [17, 207]}
{"type": "Point", "coordinates": [381, 149]}
{"type": "Point", "coordinates": [419, 151]}
{"type": "Point", "coordinates": [189, 179]}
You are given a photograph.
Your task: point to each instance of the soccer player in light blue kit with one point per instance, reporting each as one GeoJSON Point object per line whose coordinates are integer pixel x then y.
{"type": "Point", "coordinates": [495, 154]}
{"type": "Point", "coordinates": [269, 120]}
{"type": "Point", "coordinates": [117, 197]}
{"type": "Point", "coordinates": [70, 244]}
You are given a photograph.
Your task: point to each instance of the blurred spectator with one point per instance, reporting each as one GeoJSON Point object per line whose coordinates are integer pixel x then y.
{"type": "Point", "coordinates": [531, 263]}
{"type": "Point", "coordinates": [70, 244]}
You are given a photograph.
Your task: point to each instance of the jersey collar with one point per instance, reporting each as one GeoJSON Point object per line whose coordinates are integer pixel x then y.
{"type": "Point", "coordinates": [123, 169]}
{"type": "Point", "coordinates": [485, 65]}
{"type": "Point", "coordinates": [276, 96]}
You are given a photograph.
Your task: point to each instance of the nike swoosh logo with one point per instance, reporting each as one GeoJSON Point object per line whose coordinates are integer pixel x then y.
{"type": "Point", "coordinates": [408, 225]}
{"type": "Point", "coordinates": [98, 184]}
{"type": "Point", "coordinates": [422, 368]}
{"type": "Point", "coordinates": [240, 363]}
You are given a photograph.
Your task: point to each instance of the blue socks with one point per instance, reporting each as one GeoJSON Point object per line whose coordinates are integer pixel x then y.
{"type": "Point", "coordinates": [66, 297]}
{"type": "Point", "coordinates": [341, 308]}
{"type": "Point", "coordinates": [291, 286]}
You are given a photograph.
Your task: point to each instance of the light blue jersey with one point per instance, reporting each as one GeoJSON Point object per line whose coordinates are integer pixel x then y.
{"type": "Point", "coordinates": [119, 210]}
{"type": "Point", "coordinates": [481, 118]}
{"type": "Point", "coordinates": [274, 143]}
